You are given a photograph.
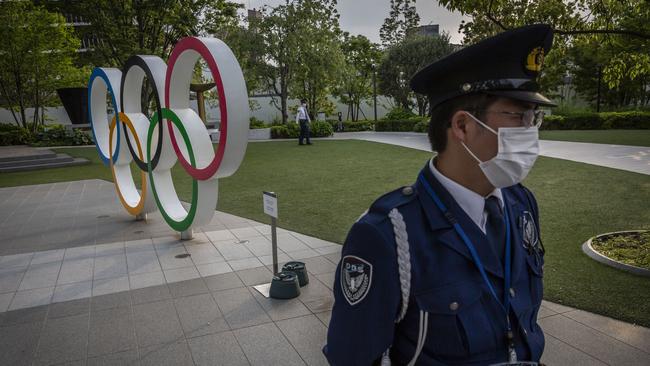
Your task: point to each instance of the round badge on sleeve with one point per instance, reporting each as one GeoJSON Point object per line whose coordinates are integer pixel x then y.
{"type": "Point", "coordinates": [356, 278]}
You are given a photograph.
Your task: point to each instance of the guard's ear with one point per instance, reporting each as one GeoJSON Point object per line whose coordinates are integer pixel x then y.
{"type": "Point", "coordinates": [459, 123]}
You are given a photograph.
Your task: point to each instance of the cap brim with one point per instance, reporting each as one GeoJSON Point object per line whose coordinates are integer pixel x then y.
{"type": "Point", "coordinates": [524, 96]}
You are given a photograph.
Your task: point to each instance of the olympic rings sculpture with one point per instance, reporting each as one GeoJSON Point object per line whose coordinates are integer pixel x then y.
{"type": "Point", "coordinates": [131, 136]}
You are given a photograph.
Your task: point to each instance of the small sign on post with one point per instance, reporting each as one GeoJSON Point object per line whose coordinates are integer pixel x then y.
{"type": "Point", "coordinates": [271, 209]}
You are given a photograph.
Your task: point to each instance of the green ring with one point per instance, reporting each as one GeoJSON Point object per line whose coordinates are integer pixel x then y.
{"type": "Point", "coordinates": [187, 222]}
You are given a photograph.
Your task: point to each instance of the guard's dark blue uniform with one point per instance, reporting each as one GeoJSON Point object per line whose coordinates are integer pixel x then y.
{"type": "Point", "coordinates": [466, 326]}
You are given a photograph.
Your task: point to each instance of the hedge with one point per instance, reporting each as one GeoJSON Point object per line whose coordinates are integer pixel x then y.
{"type": "Point", "coordinates": [292, 130]}
{"type": "Point", "coordinates": [51, 135]}
{"type": "Point", "coordinates": [598, 121]}
{"type": "Point", "coordinates": [403, 125]}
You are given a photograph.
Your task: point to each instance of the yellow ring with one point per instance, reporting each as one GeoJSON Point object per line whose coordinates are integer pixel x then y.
{"type": "Point", "coordinates": [137, 209]}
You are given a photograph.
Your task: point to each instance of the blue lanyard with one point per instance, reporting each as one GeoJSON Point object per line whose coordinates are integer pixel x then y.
{"type": "Point", "coordinates": [505, 305]}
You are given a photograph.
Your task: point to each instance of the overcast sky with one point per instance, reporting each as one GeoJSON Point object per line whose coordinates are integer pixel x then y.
{"type": "Point", "coordinates": [366, 16]}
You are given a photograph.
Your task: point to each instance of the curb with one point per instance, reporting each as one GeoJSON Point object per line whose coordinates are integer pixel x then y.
{"type": "Point", "coordinates": [593, 254]}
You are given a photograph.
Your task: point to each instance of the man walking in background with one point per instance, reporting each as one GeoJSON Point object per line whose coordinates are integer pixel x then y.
{"type": "Point", "coordinates": [302, 117]}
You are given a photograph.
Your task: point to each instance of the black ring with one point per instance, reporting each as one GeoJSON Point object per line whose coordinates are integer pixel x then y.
{"type": "Point", "coordinates": [139, 62]}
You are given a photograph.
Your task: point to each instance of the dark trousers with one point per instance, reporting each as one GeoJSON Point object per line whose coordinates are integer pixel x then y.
{"type": "Point", "coordinates": [304, 131]}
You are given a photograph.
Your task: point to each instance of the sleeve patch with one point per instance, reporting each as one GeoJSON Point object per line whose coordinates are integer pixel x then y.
{"type": "Point", "coordinates": [356, 278]}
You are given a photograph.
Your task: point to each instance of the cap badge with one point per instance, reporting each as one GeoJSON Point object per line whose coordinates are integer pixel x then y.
{"type": "Point", "coordinates": [466, 87]}
{"type": "Point", "coordinates": [535, 59]}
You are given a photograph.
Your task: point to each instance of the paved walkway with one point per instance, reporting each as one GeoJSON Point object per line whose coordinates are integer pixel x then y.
{"type": "Point", "coordinates": [631, 158]}
{"type": "Point", "coordinates": [123, 297]}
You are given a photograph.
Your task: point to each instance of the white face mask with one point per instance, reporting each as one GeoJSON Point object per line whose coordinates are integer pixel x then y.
{"type": "Point", "coordinates": [518, 150]}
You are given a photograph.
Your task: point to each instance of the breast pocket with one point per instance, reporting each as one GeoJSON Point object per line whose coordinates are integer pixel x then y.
{"type": "Point", "coordinates": [536, 275]}
{"type": "Point", "coordinates": [458, 321]}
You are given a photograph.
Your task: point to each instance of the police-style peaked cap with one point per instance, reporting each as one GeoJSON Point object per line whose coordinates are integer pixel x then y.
{"type": "Point", "coordinates": [505, 65]}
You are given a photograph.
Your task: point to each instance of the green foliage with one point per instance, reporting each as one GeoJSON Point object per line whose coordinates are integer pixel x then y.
{"type": "Point", "coordinates": [356, 79]}
{"type": "Point", "coordinates": [403, 60]}
{"type": "Point", "coordinates": [629, 248]}
{"type": "Point", "coordinates": [399, 113]}
{"type": "Point", "coordinates": [421, 126]}
{"type": "Point", "coordinates": [52, 135]}
{"type": "Point", "coordinates": [598, 121]}
{"type": "Point", "coordinates": [349, 126]}
{"type": "Point", "coordinates": [11, 134]}
{"type": "Point", "coordinates": [402, 17]}
{"type": "Point", "coordinates": [37, 51]}
{"type": "Point", "coordinates": [400, 125]}
{"type": "Point", "coordinates": [321, 129]}
{"type": "Point", "coordinates": [256, 124]}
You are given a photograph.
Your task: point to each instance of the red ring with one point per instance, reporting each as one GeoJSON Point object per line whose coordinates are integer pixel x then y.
{"type": "Point", "coordinates": [192, 43]}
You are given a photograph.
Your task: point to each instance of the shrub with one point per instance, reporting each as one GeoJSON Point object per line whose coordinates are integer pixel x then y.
{"type": "Point", "coordinates": [292, 130]}
{"type": "Point", "coordinates": [403, 125]}
{"type": "Point", "coordinates": [11, 134]}
{"type": "Point", "coordinates": [320, 129]}
{"type": "Point", "coordinates": [421, 126]}
{"type": "Point", "coordinates": [349, 126]}
{"type": "Point", "coordinates": [598, 121]}
{"type": "Point", "coordinates": [256, 123]}
{"type": "Point", "coordinates": [399, 113]}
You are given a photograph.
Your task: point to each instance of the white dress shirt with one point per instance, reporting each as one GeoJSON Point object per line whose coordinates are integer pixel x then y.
{"type": "Point", "coordinates": [471, 202]}
{"type": "Point", "coordinates": [302, 114]}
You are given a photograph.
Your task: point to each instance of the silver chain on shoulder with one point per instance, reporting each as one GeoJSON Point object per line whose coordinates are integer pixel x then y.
{"type": "Point", "coordinates": [403, 258]}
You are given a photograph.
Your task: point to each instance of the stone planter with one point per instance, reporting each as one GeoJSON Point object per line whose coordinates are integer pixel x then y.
{"type": "Point", "coordinates": [259, 134]}
{"type": "Point", "coordinates": [593, 254]}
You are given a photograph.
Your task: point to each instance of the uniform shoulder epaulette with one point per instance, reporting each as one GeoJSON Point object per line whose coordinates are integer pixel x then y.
{"type": "Point", "coordinates": [393, 199]}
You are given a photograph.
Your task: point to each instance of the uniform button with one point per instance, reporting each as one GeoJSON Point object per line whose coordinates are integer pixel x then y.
{"type": "Point", "coordinates": [453, 306]}
{"type": "Point", "coordinates": [525, 332]}
{"type": "Point", "coordinates": [407, 191]}
{"type": "Point", "coordinates": [512, 292]}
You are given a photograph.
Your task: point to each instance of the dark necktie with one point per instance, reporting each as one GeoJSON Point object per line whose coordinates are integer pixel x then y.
{"type": "Point", "coordinates": [496, 227]}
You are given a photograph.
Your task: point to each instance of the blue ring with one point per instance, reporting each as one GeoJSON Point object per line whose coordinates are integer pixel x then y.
{"type": "Point", "coordinates": [98, 72]}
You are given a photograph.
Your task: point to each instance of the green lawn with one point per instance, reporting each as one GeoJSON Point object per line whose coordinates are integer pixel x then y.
{"type": "Point", "coordinates": [323, 188]}
{"type": "Point", "coordinates": [616, 137]}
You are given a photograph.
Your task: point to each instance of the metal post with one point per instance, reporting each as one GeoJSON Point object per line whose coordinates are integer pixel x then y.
{"type": "Point", "coordinates": [187, 234]}
{"type": "Point", "coordinates": [600, 74]}
{"type": "Point", "coordinates": [274, 244]}
{"type": "Point", "coordinates": [374, 91]}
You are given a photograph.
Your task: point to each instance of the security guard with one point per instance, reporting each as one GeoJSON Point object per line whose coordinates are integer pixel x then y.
{"type": "Point", "coordinates": [449, 271]}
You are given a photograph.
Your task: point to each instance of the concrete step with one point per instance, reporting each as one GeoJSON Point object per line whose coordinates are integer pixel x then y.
{"type": "Point", "coordinates": [60, 164]}
{"type": "Point", "coordinates": [56, 158]}
{"type": "Point", "coordinates": [11, 153]}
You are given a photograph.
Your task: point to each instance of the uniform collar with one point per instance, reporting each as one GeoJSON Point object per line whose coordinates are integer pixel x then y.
{"type": "Point", "coordinates": [471, 202]}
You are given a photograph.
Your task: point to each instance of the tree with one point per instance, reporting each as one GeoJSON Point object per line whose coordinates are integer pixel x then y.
{"type": "Point", "coordinates": [620, 30]}
{"type": "Point", "coordinates": [319, 53]}
{"type": "Point", "coordinates": [37, 53]}
{"type": "Point", "coordinates": [403, 60]}
{"type": "Point", "coordinates": [361, 60]}
{"type": "Point", "coordinates": [402, 17]}
{"type": "Point", "coordinates": [151, 27]}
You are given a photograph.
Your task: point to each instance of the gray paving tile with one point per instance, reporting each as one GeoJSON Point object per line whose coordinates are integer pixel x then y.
{"type": "Point", "coordinates": [5, 301]}
{"type": "Point", "coordinates": [327, 279]}
{"type": "Point", "coordinates": [223, 282]}
{"type": "Point", "coordinates": [280, 309]}
{"type": "Point", "coordinates": [72, 291]}
{"type": "Point", "coordinates": [246, 263]}
{"type": "Point", "coordinates": [199, 315]}
{"type": "Point", "coordinates": [168, 259]}
{"type": "Point", "coordinates": [10, 279]}
{"type": "Point", "coordinates": [82, 252]}
{"type": "Point", "coordinates": [211, 269]}
{"type": "Point", "coordinates": [48, 256]}
{"type": "Point", "coordinates": [593, 342]}
{"type": "Point", "coordinates": [220, 235]}
{"type": "Point", "coordinates": [308, 336]}
{"type": "Point", "coordinates": [28, 315]}
{"type": "Point", "coordinates": [150, 294]}
{"type": "Point", "coordinates": [110, 266]}
{"type": "Point", "coordinates": [110, 285]}
{"type": "Point", "coordinates": [557, 352]}
{"type": "Point", "coordinates": [545, 312]}
{"type": "Point", "coordinates": [31, 298]}
{"type": "Point", "coordinates": [255, 276]}
{"type": "Point", "coordinates": [172, 354]}
{"type": "Point", "coordinates": [16, 260]}
{"type": "Point", "coordinates": [76, 270]}
{"type": "Point", "coordinates": [40, 275]}
{"type": "Point", "coordinates": [63, 340]}
{"type": "Point", "coordinates": [320, 305]}
{"type": "Point", "coordinates": [111, 301]}
{"type": "Point", "coordinates": [141, 280]}
{"type": "Point", "coordinates": [239, 308]}
{"type": "Point", "coordinates": [232, 251]}
{"type": "Point", "coordinates": [181, 274]}
{"type": "Point", "coordinates": [157, 323]}
{"type": "Point", "coordinates": [319, 265]}
{"type": "Point", "coordinates": [142, 262]}
{"type": "Point", "coordinates": [558, 308]}
{"type": "Point", "coordinates": [217, 349]}
{"type": "Point", "coordinates": [69, 308]}
{"type": "Point", "coordinates": [18, 343]}
{"type": "Point", "coordinates": [126, 358]}
{"type": "Point", "coordinates": [204, 253]}
{"type": "Point", "coordinates": [188, 288]}
{"type": "Point", "coordinates": [111, 331]}
{"type": "Point", "coordinates": [314, 291]}
{"type": "Point", "coordinates": [266, 345]}
{"type": "Point", "coordinates": [105, 249]}
{"type": "Point", "coordinates": [631, 334]}
{"type": "Point", "coordinates": [325, 317]}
